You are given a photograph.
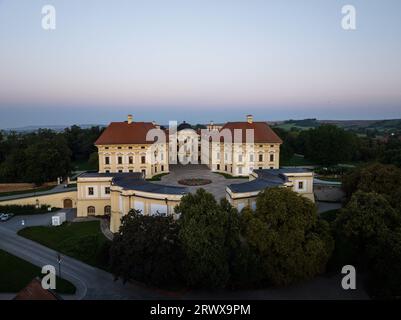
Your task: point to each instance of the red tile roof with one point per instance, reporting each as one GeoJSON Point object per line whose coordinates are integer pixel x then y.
{"type": "Point", "coordinates": [34, 291]}
{"type": "Point", "coordinates": [126, 133]}
{"type": "Point", "coordinates": [262, 132]}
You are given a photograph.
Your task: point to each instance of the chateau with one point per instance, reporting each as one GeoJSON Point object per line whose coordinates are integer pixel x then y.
{"type": "Point", "coordinates": [127, 158]}
{"type": "Point", "coordinates": [132, 154]}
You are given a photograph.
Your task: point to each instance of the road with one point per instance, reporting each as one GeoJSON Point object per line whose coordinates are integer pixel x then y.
{"type": "Point", "coordinates": [93, 283]}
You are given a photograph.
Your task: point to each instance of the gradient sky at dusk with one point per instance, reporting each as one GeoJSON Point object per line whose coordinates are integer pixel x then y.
{"type": "Point", "coordinates": [198, 60]}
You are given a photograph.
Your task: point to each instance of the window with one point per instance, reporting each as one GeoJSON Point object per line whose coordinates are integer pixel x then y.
{"type": "Point", "coordinates": [271, 157]}
{"type": "Point", "coordinates": [155, 169]}
{"type": "Point", "coordinates": [240, 158]}
{"type": "Point", "coordinates": [131, 170]}
{"type": "Point", "coordinates": [107, 190]}
{"type": "Point", "coordinates": [143, 159]}
{"type": "Point", "coordinates": [260, 168]}
{"type": "Point", "coordinates": [162, 168]}
{"type": "Point", "coordinates": [107, 171]}
{"type": "Point", "coordinates": [142, 147]}
{"type": "Point", "coordinates": [239, 170]}
{"type": "Point", "coordinates": [107, 160]}
{"type": "Point", "coordinates": [130, 159]}
{"type": "Point", "coordinates": [261, 158]}
{"type": "Point", "coordinates": [161, 156]}
{"type": "Point", "coordinates": [218, 167]}
{"type": "Point", "coordinates": [218, 155]}
{"type": "Point", "coordinates": [251, 157]}
{"type": "Point", "coordinates": [91, 191]}
{"type": "Point", "coordinates": [107, 210]}
{"type": "Point", "coordinates": [120, 160]}
{"type": "Point", "coordinates": [119, 148]}
{"type": "Point", "coordinates": [300, 185]}
{"type": "Point", "coordinates": [225, 168]}
{"type": "Point", "coordinates": [107, 148]}
{"type": "Point", "coordinates": [91, 210]}
{"type": "Point", "coordinates": [129, 147]}
{"type": "Point", "coordinates": [120, 171]}
{"type": "Point", "coordinates": [143, 172]}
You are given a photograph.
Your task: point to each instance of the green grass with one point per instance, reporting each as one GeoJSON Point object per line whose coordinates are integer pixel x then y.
{"type": "Point", "coordinates": [329, 179]}
{"type": "Point", "coordinates": [83, 166]}
{"type": "Point", "coordinates": [296, 161]}
{"type": "Point", "coordinates": [83, 241]}
{"type": "Point", "coordinates": [158, 177]}
{"type": "Point", "coordinates": [16, 273]}
{"type": "Point", "coordinates": [13, 193]}
{"type": "Point", "coordinates": [229, 176]}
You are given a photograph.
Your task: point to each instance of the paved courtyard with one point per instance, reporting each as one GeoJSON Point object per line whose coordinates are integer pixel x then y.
{"type": "Point", "coordinates": [199, 171]}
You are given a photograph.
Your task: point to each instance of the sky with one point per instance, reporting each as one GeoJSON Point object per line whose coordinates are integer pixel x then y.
{"type": "Point", "coordinates": [198, 60]}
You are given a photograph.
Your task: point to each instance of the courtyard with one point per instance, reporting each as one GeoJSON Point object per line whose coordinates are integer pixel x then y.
{"type": "Point", "coordinates": [218, 184]}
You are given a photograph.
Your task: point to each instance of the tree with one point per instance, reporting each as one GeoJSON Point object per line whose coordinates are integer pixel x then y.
{"type": "Point", "coordinates": [379, 178]}
{"type": "Point", "coordinates": [327, 144]}
{"type": "Point", "coordinates": [147, 249]}
{"type": "Point", "coordinates": [207, 234]}
{"type": "Point", "coordinates": [288, 238]}
{"type": "Point", "coordinates": [371, 229]}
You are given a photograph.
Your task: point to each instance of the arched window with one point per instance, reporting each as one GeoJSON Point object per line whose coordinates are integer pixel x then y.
{"type": "Point", "coordinates": [91, 211]}
{"type": "Point", "coordinates": [107, 210]}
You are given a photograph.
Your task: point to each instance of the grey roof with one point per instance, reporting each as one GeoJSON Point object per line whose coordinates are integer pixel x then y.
{"type": "Point", "coordinates": [134, 181]}
{"type": "Point", "coordinates": [254, 185]}
{"type": "Point", "coordinates": [128, 183]}
{"type": "Point", "coordinates": [267, 178]}
{"type": "Point", "coordinates": [95, 174]}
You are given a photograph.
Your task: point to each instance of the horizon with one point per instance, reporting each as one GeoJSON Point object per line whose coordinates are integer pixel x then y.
{"type": "Point", "coordinates": [198, 62]}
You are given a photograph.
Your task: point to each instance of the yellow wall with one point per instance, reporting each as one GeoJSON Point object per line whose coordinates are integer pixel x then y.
{"type": "Point", "coordinates": [136, 151]}
{"type": "Point", "coordinates": [53, 200]}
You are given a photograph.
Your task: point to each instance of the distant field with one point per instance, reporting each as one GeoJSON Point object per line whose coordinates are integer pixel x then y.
{"type": "Point", "coordinates": [305, 124]}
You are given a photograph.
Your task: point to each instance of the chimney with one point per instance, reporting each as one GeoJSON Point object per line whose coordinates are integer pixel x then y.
{"type": "Point", "coordinates": [249, 118]}
{"type": "Point", "coordinates": [130, 118]}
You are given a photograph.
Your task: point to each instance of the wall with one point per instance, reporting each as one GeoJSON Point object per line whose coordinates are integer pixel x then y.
{"type": "Point", "coordinates": [53, 200]}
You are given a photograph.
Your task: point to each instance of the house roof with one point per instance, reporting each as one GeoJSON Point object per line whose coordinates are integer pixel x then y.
{"type": "Point", "coordinates": [34, 291]}
{"type": "Point", "coordinates": [126, 133]}
{"type": "Point", "coordinates": [129, 183]}
{"type": "Point", "coordinates": [262, 131]}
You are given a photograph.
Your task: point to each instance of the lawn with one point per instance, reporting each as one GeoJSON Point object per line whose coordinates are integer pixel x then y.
{"type": "Point", "coordinates": [83, 241]}
{"type": "Point", "coordinates": [229, 176]}
{"type": "Point", "coordinates": [296, 161]}
{"type": "Point", "coordinates": [83, 166]}
{"type": "Point", "coordinates": [22, 192]}
{"type": "Point", "coordinates": [158, 177]}
{"type": "Point", "coordinates": [16, 273]}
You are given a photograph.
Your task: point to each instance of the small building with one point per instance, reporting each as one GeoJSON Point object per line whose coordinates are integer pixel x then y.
{"type": "Point", "coordinates": [300, 180]}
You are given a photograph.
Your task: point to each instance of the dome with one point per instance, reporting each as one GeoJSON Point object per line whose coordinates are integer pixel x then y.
{"type": "Point", "coordinates": [183, 126]}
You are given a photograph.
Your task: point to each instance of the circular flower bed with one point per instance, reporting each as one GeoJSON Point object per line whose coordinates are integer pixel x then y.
{"type": "Point", "coordinates": [194, 182]}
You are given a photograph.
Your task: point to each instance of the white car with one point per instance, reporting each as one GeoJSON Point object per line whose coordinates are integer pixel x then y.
{"type": "Point", "coordinates": [6, 216]}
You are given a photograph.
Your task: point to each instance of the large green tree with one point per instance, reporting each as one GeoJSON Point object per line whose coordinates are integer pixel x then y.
{"type": "Point", "coordinates": [291, 243]}
{"type": "Point", "coordinates": [327, 144]}
{"type": "Point", "coordinates": [379, 178]}
{"type": "Point", "coordinates": [368, 229]}
{"type": "Point", "coordinates": [147, 249]}
{"type": "Point", "coordinates": [208, 232]}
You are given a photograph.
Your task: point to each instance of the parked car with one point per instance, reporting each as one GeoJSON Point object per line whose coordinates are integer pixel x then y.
{"type": "Point", "coordinates": [6, 216]}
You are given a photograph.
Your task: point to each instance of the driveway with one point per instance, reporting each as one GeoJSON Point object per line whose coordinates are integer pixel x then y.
{"type": "Point", "coordinates": [217, 187]}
